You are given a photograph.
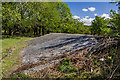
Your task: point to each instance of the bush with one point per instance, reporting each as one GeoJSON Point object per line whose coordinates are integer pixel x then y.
{"type": "Point", "coordinates": [67, 67]}
{"type": "Point", "coordinates": [19, 75]}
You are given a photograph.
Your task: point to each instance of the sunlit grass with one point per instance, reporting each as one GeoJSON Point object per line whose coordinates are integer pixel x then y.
{"type": "Point", "coordinates": [12, 61]}
{"type": "Point", "coordinates": [8, 43]}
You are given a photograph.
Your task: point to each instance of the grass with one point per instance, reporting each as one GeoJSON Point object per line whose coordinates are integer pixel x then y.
{"type": "Point", "coordinates": [8, 43]}
{"type": "Point", "coordinates": [13, 60]}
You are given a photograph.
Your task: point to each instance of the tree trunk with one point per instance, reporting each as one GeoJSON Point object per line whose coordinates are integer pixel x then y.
{"type": "Point", "coordinates": [14, 30]}
{"type": "Point", "coordinates": [5, 31]}
{"type": "Point", "coordinates": [48, 31]}
{"type": "Point", "coordinates": [10, 31]}
{"type": "Point", "coordinates": [41, 31]}
{"type": "Point", "coordinates": [34, 31]}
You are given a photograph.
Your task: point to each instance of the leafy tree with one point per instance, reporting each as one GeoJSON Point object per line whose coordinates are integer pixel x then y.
{"type": "Point", "coordinates": [11, 17]}
{"type": "Point", "coordinates": [100, 25]}
{"type": "Point", "coordinates": [39, 18]}
{"type": "Point", "coordinates": [115, 21]}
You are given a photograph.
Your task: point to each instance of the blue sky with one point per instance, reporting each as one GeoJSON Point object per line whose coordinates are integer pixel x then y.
{"type": "Point", "coordinates": [86, 11]}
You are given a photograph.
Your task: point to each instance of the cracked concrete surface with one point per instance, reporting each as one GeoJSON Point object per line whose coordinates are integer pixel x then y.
{"type": "Point", "coordinates": [53, 45]}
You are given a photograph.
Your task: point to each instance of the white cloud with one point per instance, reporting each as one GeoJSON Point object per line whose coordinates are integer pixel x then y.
{"type": "Point", "coordinates": [75, 17]}
{"type": "Point", "coordinates": [105, 15]}
{"type": "Point", "coordinates": [86, 16]}
{"type": "Point", "coordinates": [91, 8]}
{"type": "Point", "coordinates": [84, 9]}
{"type": "Point", "coordinates": [95, 14]}
{"type": "Point", "coordinates": [87, 20]}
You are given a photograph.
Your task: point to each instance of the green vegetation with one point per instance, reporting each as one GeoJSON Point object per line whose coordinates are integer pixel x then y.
{"type": "Point", "coordinates": [10, 42]}
{"type": "Point", "coordinates": [19, 75]}
{"type": "Point", "coordinates": [108, 27]}
{"type": "Point", "coordinates": [67, 67]}
{"type": "Point", "coordinates": [39, 18]}
{"type": "Point", "coordinates": [13, 60]}
{"type": "Point", "coordinates": [100, 26]}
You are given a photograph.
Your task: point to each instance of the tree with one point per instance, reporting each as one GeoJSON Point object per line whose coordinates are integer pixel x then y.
{"type": "Point", "coordinates": [115, 21]}
{"type": "Point", "coordinates": [100, 26]}
{"type": "Point", "coordinates": [38, 18]}
{"type": "Point", "coordinates": [11, 17]}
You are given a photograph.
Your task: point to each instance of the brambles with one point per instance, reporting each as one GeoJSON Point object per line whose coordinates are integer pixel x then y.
{"type": "Point", "coordinates": [67, 67]}
{"type": "Point", "coordinates": [19, 75]}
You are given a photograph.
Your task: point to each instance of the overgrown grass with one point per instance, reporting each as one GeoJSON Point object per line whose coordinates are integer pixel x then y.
{"type": "Point", "coordinates": [13, 60]}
